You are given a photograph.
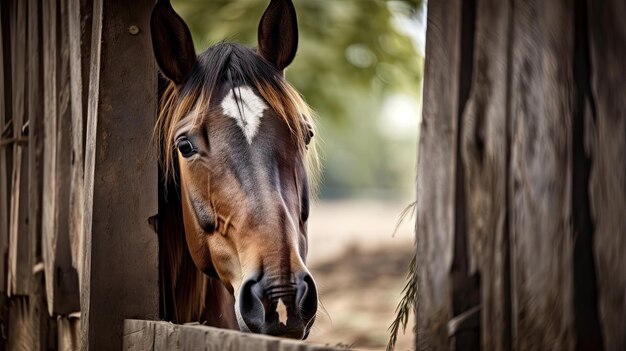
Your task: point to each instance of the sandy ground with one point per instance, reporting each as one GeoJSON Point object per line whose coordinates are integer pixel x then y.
{"type": "Point", "coordinates": [360, 271]}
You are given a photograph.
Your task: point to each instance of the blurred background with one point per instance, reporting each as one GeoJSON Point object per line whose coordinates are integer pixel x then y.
{"type": "Point", "coordinates": [359, 66]}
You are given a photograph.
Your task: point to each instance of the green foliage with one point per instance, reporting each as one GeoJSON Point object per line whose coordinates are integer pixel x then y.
{"type": "Point", "coordinates": [350, 58]}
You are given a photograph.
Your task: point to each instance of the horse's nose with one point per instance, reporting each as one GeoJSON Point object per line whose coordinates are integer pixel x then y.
{"type": "Point", "coordinates": [268, 307]}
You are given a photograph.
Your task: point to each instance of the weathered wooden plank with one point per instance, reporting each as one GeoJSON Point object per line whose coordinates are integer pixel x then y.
{"type": "Point", "coordinates": [5, 149]}
{"type": "Point", "coordinates": [540, 175]}
{"type": "Point", "coordinates": [79, 13]}
{"type": "Point", "coordinates": [68, 333]}
{"type": "Point", "coordinates": [28, 322]}
{"type": "Point", "coordinates": [138, 335]}
{"type": "Point", "coordinates": [151, 335]}
{"type": "Point", "coordinates": [61, 277]}
{"type": "Point", "coordinates": [35, 127]}
{"type": "Point", "coordinates": [436, 175]}
{"type": "Point", "coordinates": [485, 162]}
{"type": "Point", "coordinates": [121, 249]}
{"type": "Point", "coordinates": [605, 145]}
{"type": "Point", "coordinates": [20, 265]}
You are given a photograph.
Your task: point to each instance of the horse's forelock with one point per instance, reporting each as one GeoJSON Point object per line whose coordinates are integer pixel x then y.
{"type": "Point", "coordinates": [244, 67]}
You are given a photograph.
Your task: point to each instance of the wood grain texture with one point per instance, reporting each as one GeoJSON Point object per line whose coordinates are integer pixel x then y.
{"type": "Point", "coordinates": [68, 334]}
{"type": "Point", "coordinates": [61, 277]}
{"type": "Point", "coordinates": [436, 175]}
{"type": "Point", "coordinates": [605, 141]}
{"type": "Point", "coordinates": [35, 128]}
{"type": "Point", "coordinates": [20, 263]}
{"type": "Point", "coordinates": [5, 151]}
{"type": "Point", "coordinates": [121, 249]}
{"type": "Point", "coordinates": [483, 149]}
{"type": "Point", "coordinates": [540, 181]}
{"type": "Point", "coordinates": [79, 17]}
{"type": "Point", "coordinates": [144, 335]}
{"type": "Point", "coordinates": [28, 320]}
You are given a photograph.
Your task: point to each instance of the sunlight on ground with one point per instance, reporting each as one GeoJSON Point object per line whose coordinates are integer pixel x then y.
{"type": "Point", "coordinates": [360, 271]}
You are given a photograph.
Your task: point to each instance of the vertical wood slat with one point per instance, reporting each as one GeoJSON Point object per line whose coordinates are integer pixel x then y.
{"type": "Point", "coordinates": [436, 175]}
{"type": "Point", "coordinates": [79, 12]}
{"type": "Point", "coordinates": [483, 150]}
{"type": "Point", "coordinates": [605, 145]}
{"type": "Point", "coordinates": [540, 183]}
{"type": "Point", "coordinates": [5, 150]}
{"type": "Point", "coordinates": [121, 249]}
{"type": "Point", "coordinates": [35, 128]}
{"type": "Point", "coordinates": [68, 334]}
{"type": "Point", "coordinates": [61, 278]}
{"type": "Point", "coordinates": [20, 265]}
{"type": "Point", "coordinates": [38, 316]}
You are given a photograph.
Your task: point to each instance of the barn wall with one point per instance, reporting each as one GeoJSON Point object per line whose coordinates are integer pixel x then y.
{"type": "Point", "coordinates": [522, 177]}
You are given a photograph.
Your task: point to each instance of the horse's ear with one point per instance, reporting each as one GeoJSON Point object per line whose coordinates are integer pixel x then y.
{"type": "Point", "coordinates": [171, 42]}
{"type": "Point", "coordinates": [278, 33]}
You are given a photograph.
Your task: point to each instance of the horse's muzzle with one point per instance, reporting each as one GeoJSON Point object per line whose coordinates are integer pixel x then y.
{"type": "Point", "coordinates": [267, 306]}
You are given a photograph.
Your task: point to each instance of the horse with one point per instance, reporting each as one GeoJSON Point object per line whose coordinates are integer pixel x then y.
{"type": "Point", "coordinates": [235, 149]}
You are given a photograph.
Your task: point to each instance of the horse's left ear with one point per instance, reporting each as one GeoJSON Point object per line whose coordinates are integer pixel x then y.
{"type": "Point", "coordinates": [171, 42]}
{"type": "Point", "coordinates": [278, 33]}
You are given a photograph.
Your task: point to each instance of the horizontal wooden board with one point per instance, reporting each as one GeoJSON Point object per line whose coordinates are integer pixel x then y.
{"type": "Point", "coordinates": [152, 335]}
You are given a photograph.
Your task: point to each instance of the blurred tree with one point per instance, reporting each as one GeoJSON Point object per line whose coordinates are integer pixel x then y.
{"type": "Point", "coordinates": [352, 55]}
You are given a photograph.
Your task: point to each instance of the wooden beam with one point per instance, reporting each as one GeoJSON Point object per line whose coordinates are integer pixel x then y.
{"type": "Point", "coordinates": [121, 249]}
{"type": "Point", "coordinates": [144, 335]}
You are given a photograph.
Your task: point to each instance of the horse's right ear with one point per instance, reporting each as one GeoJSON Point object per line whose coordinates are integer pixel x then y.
{"type": "Point", "coordinates": [171, 42]}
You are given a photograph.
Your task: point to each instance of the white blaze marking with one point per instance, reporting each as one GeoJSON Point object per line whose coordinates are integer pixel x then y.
{"type": "Point", "coordinates": [281, 309]}
{"type": "Point", "coordinates": [247, 109]}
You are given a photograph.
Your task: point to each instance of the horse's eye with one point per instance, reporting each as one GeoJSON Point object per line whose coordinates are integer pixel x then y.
{"type": "Point", "coordinates": [186, 148]}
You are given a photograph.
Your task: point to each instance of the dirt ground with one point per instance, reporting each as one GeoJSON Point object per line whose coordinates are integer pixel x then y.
{"type": "Point", "coordinates": [360, 270]}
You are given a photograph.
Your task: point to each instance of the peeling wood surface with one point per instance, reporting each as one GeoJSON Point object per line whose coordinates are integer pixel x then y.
{"type": "Point", "coordinates": [143, 335]}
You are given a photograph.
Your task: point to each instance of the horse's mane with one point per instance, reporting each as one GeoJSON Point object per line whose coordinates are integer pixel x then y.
{"type": "Point", "coordinates": [239, 65]}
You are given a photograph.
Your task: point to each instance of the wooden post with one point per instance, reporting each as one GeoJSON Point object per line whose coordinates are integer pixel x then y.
{"type": "Point", "coordinates": [536, 216]}
{"type": "Point", "coordinates": [120, 278]}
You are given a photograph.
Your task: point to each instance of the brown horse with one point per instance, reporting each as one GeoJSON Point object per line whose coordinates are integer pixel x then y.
{"type": "Point", "coordinates": [233, 138]}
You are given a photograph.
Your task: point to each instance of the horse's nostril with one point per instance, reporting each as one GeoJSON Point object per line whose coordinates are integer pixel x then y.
{"type": "Point", "coordinates": [306, 297]}
{"type": "Point", "coordinates": [251, 308]}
